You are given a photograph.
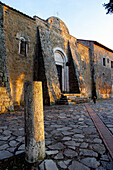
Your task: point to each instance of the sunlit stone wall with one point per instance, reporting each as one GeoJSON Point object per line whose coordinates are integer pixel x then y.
{"type": "Point", "coordinates": [5, 91]}
{"type": "Point", "coordinates": [104, 74]}
{"type": "Point", "coordinates": [16, 26]}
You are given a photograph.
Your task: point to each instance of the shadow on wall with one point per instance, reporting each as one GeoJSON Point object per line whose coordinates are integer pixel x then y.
{"type": "Point", "coordinates": [73, 82]}
{"type": "Point", "coordinates": [39, 69]}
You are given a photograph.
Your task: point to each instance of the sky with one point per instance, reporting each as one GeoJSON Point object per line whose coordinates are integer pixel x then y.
{"type": "Point", "coordinates": [85, 19]}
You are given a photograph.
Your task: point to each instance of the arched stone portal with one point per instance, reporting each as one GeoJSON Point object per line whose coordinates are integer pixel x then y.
{"type": "Point", "coordinates": [62, 69]}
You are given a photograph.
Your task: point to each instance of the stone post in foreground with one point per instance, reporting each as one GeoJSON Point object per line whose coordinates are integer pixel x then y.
{"type": "Point", "coordinates": [34, 122]}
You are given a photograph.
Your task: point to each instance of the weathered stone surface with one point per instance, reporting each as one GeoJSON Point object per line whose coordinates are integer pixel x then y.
{"type": "Point", "coordinates": [22, 147]}
{"type": "Point", "coordinates": [90, 162]}
{"type": "Point", "coordinates": [7, 132]}
{"type": "Point", "coordinates": [58, 146]}
{"type": "Point", "coordinates": [70, 143]}
{"type": "Point", "coordinates": [67, 161]}
{"type": "Point", "coordinates": [97, 140]}
{"type": "Point", "coordinates": [78, 166]}
{"type": "Point", "coordinates": [84, 145]}
{"type": "Point", "coordinates": [41, 166]}
{"type": "Point", "coordinates": [3, 147]}
{"type": "Point", "coordinates": [64, 128]}
{"type": "Point", "coordinates": [50, 165]}
{"type": "Point", "coordinates": [86, 152]}
{"type": "Point", "coordinates": [59, 156]}
{"type": "Point", "coordinates": [62, 165]}
{"type": "Point", "coordinates": [98, 148]}
{"type": "Point", "coordinates": [51, 152]}
{"type": "Point", "coordinates": [66, 138]}
{"type": "Point", "coordinates": [13, 143]}
{"type": "Point", "coordinates": [5, 154]}
{"type": "Point", "coordinates": [70, 153]}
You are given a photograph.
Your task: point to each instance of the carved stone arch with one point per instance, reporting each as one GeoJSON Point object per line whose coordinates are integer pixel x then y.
{"type": "Point", "coordinates": [62, 68]}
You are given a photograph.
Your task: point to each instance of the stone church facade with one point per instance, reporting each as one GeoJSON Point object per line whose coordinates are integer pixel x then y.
{"type": "Point", "coordinates": [33, 49]}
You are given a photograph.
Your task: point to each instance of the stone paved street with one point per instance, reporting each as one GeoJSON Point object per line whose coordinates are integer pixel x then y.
{"type": "Point", "coordinates": [72, 141]}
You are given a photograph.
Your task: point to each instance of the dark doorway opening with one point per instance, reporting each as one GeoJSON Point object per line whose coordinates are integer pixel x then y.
{"type": "Point", "coordinates": [59, 71]}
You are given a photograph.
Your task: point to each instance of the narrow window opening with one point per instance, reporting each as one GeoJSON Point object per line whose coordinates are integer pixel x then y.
{"type": "Point", "coordinates": [111, 64]}
{"type": "Point", "coordinates": [23, 47]}
{"type": "Point", "coordinates": [104, 62]}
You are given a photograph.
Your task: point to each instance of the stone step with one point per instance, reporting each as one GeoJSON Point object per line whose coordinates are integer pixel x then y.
{"type": "Point", "coordinates": [68, 99]}
{"type": "Point", "coordinates": [72, 94]}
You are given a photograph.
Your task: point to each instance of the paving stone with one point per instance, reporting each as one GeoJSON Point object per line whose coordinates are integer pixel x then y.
{"type": "Point", "coordinates": [62, 165]}
{"type": "Point", "coordinates": [4, 138]}
{"type": "Point", "coordinates": [78, 140]}
{"type": "Point", "coordinates": [84, 145]}
{"type": "Point", "coordinates": [67, 161]}
{"type": "Point", "coordinates": [66, 138]}
{"type": "Point", "coordinates": [5, 154]}
{"type": "Point", "coordinates": [12, 138]}
{"type": "Point", "coordinates": [6, 132]}
{"type": "Point", "coordinates": [51, 152]}
{"type": "Point", "coordinates": [90, 162]}
{"type": "Point", "coordinates": [22, 147]}
{"type": "Point", "coordinates": [3, 127]}
{"type": "Point", "coordinates": [50, 165]}
{"type": "Point", "coordinates": [86, 152]}
{"type": "Point", "coordinates": [41, 166]}
{"type": "Point", "coordinates": [58, 146]}
{"type": "Point", "coordinates": [2, 142]}
{"type": "Point", "coordinates": [1, 130]}
{"type": "Point", "coordinates": [70, 143]}
{"type": "Point", "coordinates": [72, 147]}
{"type": "Point", "coordinates": [13, 143]}
{"type": "Point", "coordinates": [64, 128]}
{"type": "Point", "coordinates": [97, 140]}
{"type": "Point", "coordinates": [77, 166]}
{"type": "Point", "coordinates": [89, 130]}
{"type": "Point", "coordinates": [11, 149]}
{"type": "Point", "coordinates": [48, 142]}
{"type": "Point", "coordinates": [98, 148]}
{"type": "Point", "coordinates": [19, 152]}
{"type": "Point", "coordinates": [79, 136]}
{"type": "Point", "coordinates": [66, 133]}
{"type": "Point", "coordinates": [3, 147]}
{"type": "Point", "coordinates": [20, 139]}
{"type": "Point", "coordinates": [76, 130]}
{"type": "Point", "coordinates": [59, 156]}
{"type": "Point", "coordinates": [106, 165]}
{"type": "Point", "coordinates": [104, 158]}
{"type": "Point", "coordinates": [70, 153]}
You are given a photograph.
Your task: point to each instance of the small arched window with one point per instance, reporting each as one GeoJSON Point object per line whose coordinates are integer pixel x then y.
{"type": "Point", "coordinates": [23, 47]}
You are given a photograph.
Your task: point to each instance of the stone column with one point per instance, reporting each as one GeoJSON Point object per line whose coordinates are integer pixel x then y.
{"type": "Point", "coordinates": [34, 122]}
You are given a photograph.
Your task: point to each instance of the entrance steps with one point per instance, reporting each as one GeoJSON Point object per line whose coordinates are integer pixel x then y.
{"type": "Point", "coordinates": [71, 99]}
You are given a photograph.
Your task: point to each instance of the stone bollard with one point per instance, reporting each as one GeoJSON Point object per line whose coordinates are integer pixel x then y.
{"type": "Point", "coordinates": [34, 122]}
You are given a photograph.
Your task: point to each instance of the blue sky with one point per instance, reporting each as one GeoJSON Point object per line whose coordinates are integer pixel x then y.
{"type": "Point", "coordinates": [85, 19]}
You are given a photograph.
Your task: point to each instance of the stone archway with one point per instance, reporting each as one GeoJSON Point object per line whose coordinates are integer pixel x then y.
{"type": "Point", "coordinates": [62, 68]}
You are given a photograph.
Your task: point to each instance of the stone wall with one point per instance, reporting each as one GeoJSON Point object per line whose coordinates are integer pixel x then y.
{"type": "Point", "coordinates": [5, 91]}
{"type": "Point", "coordinates": [103, 77]}
{"type": "Point", "coordinates": [82, 64]}
{"type": "Point", "coordinates": [54, 35]}
{"type": "Point", "coordinates": [17, 25]}
{"type": "Point", "coordinates": [84, 57]}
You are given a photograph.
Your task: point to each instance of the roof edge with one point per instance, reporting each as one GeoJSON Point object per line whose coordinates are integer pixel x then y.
{"type": "Point", "coordinates": [16, 10]}
{"type": "Point", "coordinates": [99, 44]}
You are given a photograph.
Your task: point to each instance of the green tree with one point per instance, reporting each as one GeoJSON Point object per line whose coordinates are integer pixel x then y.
{"type": "Point", "coordinates": [109, 7]}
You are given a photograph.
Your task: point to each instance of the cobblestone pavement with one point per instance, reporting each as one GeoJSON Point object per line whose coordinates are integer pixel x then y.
{"type": "Point", "coordinates": [72, 141]}
{"type": "Point", "coordinates": [104, 110]}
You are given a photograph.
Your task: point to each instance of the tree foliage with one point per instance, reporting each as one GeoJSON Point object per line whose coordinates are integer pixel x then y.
{"type": "Point", "coordinates": [109, 7]}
